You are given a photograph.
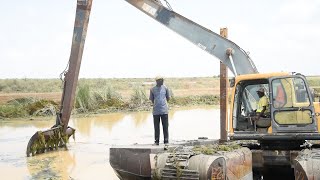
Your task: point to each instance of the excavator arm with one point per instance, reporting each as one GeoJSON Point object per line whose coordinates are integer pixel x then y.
{"type": "Point", "coordinates": [58, 135]}
{"type": "Point", "coordinates": [230, 54]}
{"type": "Point", "coordinates": [225, 50]}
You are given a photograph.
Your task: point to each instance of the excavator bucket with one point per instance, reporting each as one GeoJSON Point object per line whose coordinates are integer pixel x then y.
{"type": "Point", "coordinates": [52, 139]}
{"type": "Point", "coordinates": [58, 135]}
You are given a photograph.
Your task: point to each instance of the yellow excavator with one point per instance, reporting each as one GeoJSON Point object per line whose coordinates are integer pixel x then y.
{"type": "Point", "coordinates": [278, 143]}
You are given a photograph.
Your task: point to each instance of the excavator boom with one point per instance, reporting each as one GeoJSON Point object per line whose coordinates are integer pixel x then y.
{"type": "Point", "coordinates": [225, 50]}
{"type": "Point", "coordinates": [59, 134]}
{"type": "Point", "coordinates": [202, 37]}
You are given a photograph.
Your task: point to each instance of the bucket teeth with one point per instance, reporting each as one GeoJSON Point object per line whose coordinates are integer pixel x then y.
{"type": "Point", "coordinates": [52, 139]}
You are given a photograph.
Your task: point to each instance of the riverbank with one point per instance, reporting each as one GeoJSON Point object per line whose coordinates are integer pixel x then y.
{"type": "Point", "coordinates": [41, 97]}
{"type": "Point", "coordinates": [30, 107]}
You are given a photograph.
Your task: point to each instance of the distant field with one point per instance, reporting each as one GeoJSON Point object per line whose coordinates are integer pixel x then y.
{"type": "Point", "coordinates": [51, 88]}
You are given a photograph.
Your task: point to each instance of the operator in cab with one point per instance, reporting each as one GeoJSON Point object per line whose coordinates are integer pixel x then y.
{"type": "Point", "coordinates": [263, 109]}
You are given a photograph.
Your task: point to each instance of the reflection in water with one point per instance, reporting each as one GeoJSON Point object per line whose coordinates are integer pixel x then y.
{"type": "Point", "coordinates": [87, 157]}
{"type": "Point", "coordinates": [140, 118]}
{"type": "Point", "coordinates": [84, 124]}
{"type": "Point", "coordinates": [56, 165]}
{"type": "Point", "coordinates": [39, 123]}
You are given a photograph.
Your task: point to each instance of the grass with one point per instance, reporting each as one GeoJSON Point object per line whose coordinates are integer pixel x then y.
{"type": "Point", "coordinates": [30, 97]}
{"type": "Point", "coordinates": [98, 84]}
{"type": "Point", "coordinates": [25, 107]}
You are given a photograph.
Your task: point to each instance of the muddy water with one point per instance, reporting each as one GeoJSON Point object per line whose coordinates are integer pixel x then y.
{"type": "Point", "coordinates": [88, 155]}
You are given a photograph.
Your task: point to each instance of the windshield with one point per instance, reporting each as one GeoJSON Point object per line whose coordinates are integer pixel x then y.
{"type": "Point", "coordinates": [250, 96]}
{"type": "Point", "coordinates": [290, 98]}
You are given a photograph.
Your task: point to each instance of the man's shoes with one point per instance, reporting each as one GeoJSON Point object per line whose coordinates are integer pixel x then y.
{"type": "Point", "coordinates": [166, 145]}
{"type": "Point", "coordinates": [155, 144]}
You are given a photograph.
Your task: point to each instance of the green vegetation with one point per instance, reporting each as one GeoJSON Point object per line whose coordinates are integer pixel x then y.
{"type": "Point", "coordinates": [55, 140]}
{"type": "Point", "coordinates": [314, 81]}
{"type": "Point", "coordinates": [25, 107]}
{"type": "Point", "coordinates": [98, 84]}
{"type": "Point", "coordinates": [106, 95]}
{"type": "Point", "coordinates": [89, 101]}
{"type": "Point", "coordinates": [195, 100]}
{"type": "Point", "coordinates": [214, 148]}
{"type": "Point", "coordinates": [30, 85]}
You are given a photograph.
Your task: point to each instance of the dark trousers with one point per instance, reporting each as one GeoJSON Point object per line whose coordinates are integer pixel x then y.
{"type": "Point", "coordinates": [165, 124]}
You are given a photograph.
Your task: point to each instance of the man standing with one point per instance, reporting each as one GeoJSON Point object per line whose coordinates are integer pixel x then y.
{"type": "Point", "coordinates": [159, 96]}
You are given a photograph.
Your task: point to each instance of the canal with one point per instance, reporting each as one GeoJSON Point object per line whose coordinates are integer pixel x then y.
{"type": "Point", "coordinates": [88, 155]}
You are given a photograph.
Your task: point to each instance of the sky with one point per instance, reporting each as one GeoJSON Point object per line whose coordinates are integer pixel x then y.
{"type": "Point", "coordinates": [123, 42]}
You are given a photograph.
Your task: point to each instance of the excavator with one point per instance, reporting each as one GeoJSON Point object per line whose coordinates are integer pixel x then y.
{"type": "Point", "coordinates": [281, 144]}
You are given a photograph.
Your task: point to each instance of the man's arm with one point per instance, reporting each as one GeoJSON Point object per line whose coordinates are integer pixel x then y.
{"type": "Point", "coordinates": [151, 97]}
{"type": "Point", "coordinates": [167, 94]}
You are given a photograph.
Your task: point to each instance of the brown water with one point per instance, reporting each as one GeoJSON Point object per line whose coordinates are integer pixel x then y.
{"type": "Point", "coordinates": [88, 155]}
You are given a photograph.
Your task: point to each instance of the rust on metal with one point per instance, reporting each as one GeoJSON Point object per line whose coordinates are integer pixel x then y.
{"type": "Point", "coordinates": [239, 164]}
{"type": "Point", "coordinates": [307, 165]}
{"type": "Point", "coordinates": [217, 173]}
{"type": "Point", "coordinates": [70, 82]}
{"type": "Point", "coordinates": [223, 94]}
{"type": "Point", "coordinates": [71, 78]}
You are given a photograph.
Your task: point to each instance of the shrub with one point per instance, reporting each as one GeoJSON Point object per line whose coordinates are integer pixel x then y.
{"type": "Point", "coordinates": [195, 100]}
{"type": "Point", "coordinates": [12, 111]}
{"type": "Point", "coordinates": [41, 105]}
{"type": "Point", "coordinates": [139, 96]}
{"type": "Point", "coordinates": [108, 98]}
{"type": "Point", "coordinates": [84, 102]}
{"type": "Point", "coordinates": [23, 107]}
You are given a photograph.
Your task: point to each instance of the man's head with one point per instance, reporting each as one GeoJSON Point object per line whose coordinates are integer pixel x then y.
{"type": "Point", "coordinates": [260, 92]}
{"type": "Point", "coordinates": [159, 80]}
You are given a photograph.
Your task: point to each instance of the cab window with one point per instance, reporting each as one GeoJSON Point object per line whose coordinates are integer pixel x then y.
{"type": "Point", "coordinates": [290, 101]}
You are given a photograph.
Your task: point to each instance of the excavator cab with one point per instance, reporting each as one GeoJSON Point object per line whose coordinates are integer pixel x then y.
{"type": "Point", "coordinates": [290, 107]}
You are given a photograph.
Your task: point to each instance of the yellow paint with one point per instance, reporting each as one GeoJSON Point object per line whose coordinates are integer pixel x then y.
{"type": "Point", "coordinates": [317, 111]}
{"type": "Point", "coordinates": [230, 123]}
{"type": "Point", "coordinates": [270, 130]}
{"type": "Point", "coordinates": [259, 76]}
{"type": "Point", "coordinates": [249, 77]}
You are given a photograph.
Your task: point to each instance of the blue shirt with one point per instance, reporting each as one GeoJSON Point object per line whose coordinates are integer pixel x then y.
{"type": "Point", "coordinates": [159, 97]}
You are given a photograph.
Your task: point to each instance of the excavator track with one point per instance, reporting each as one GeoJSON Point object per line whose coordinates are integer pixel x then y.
{"type": "Point", "coordinates": [176, 167]}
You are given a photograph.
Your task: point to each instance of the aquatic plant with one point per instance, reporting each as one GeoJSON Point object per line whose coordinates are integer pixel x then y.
{"type": "Point", "coordinates": [214, 148]}
{"type": "Point", "coordinates": [46, 143]}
